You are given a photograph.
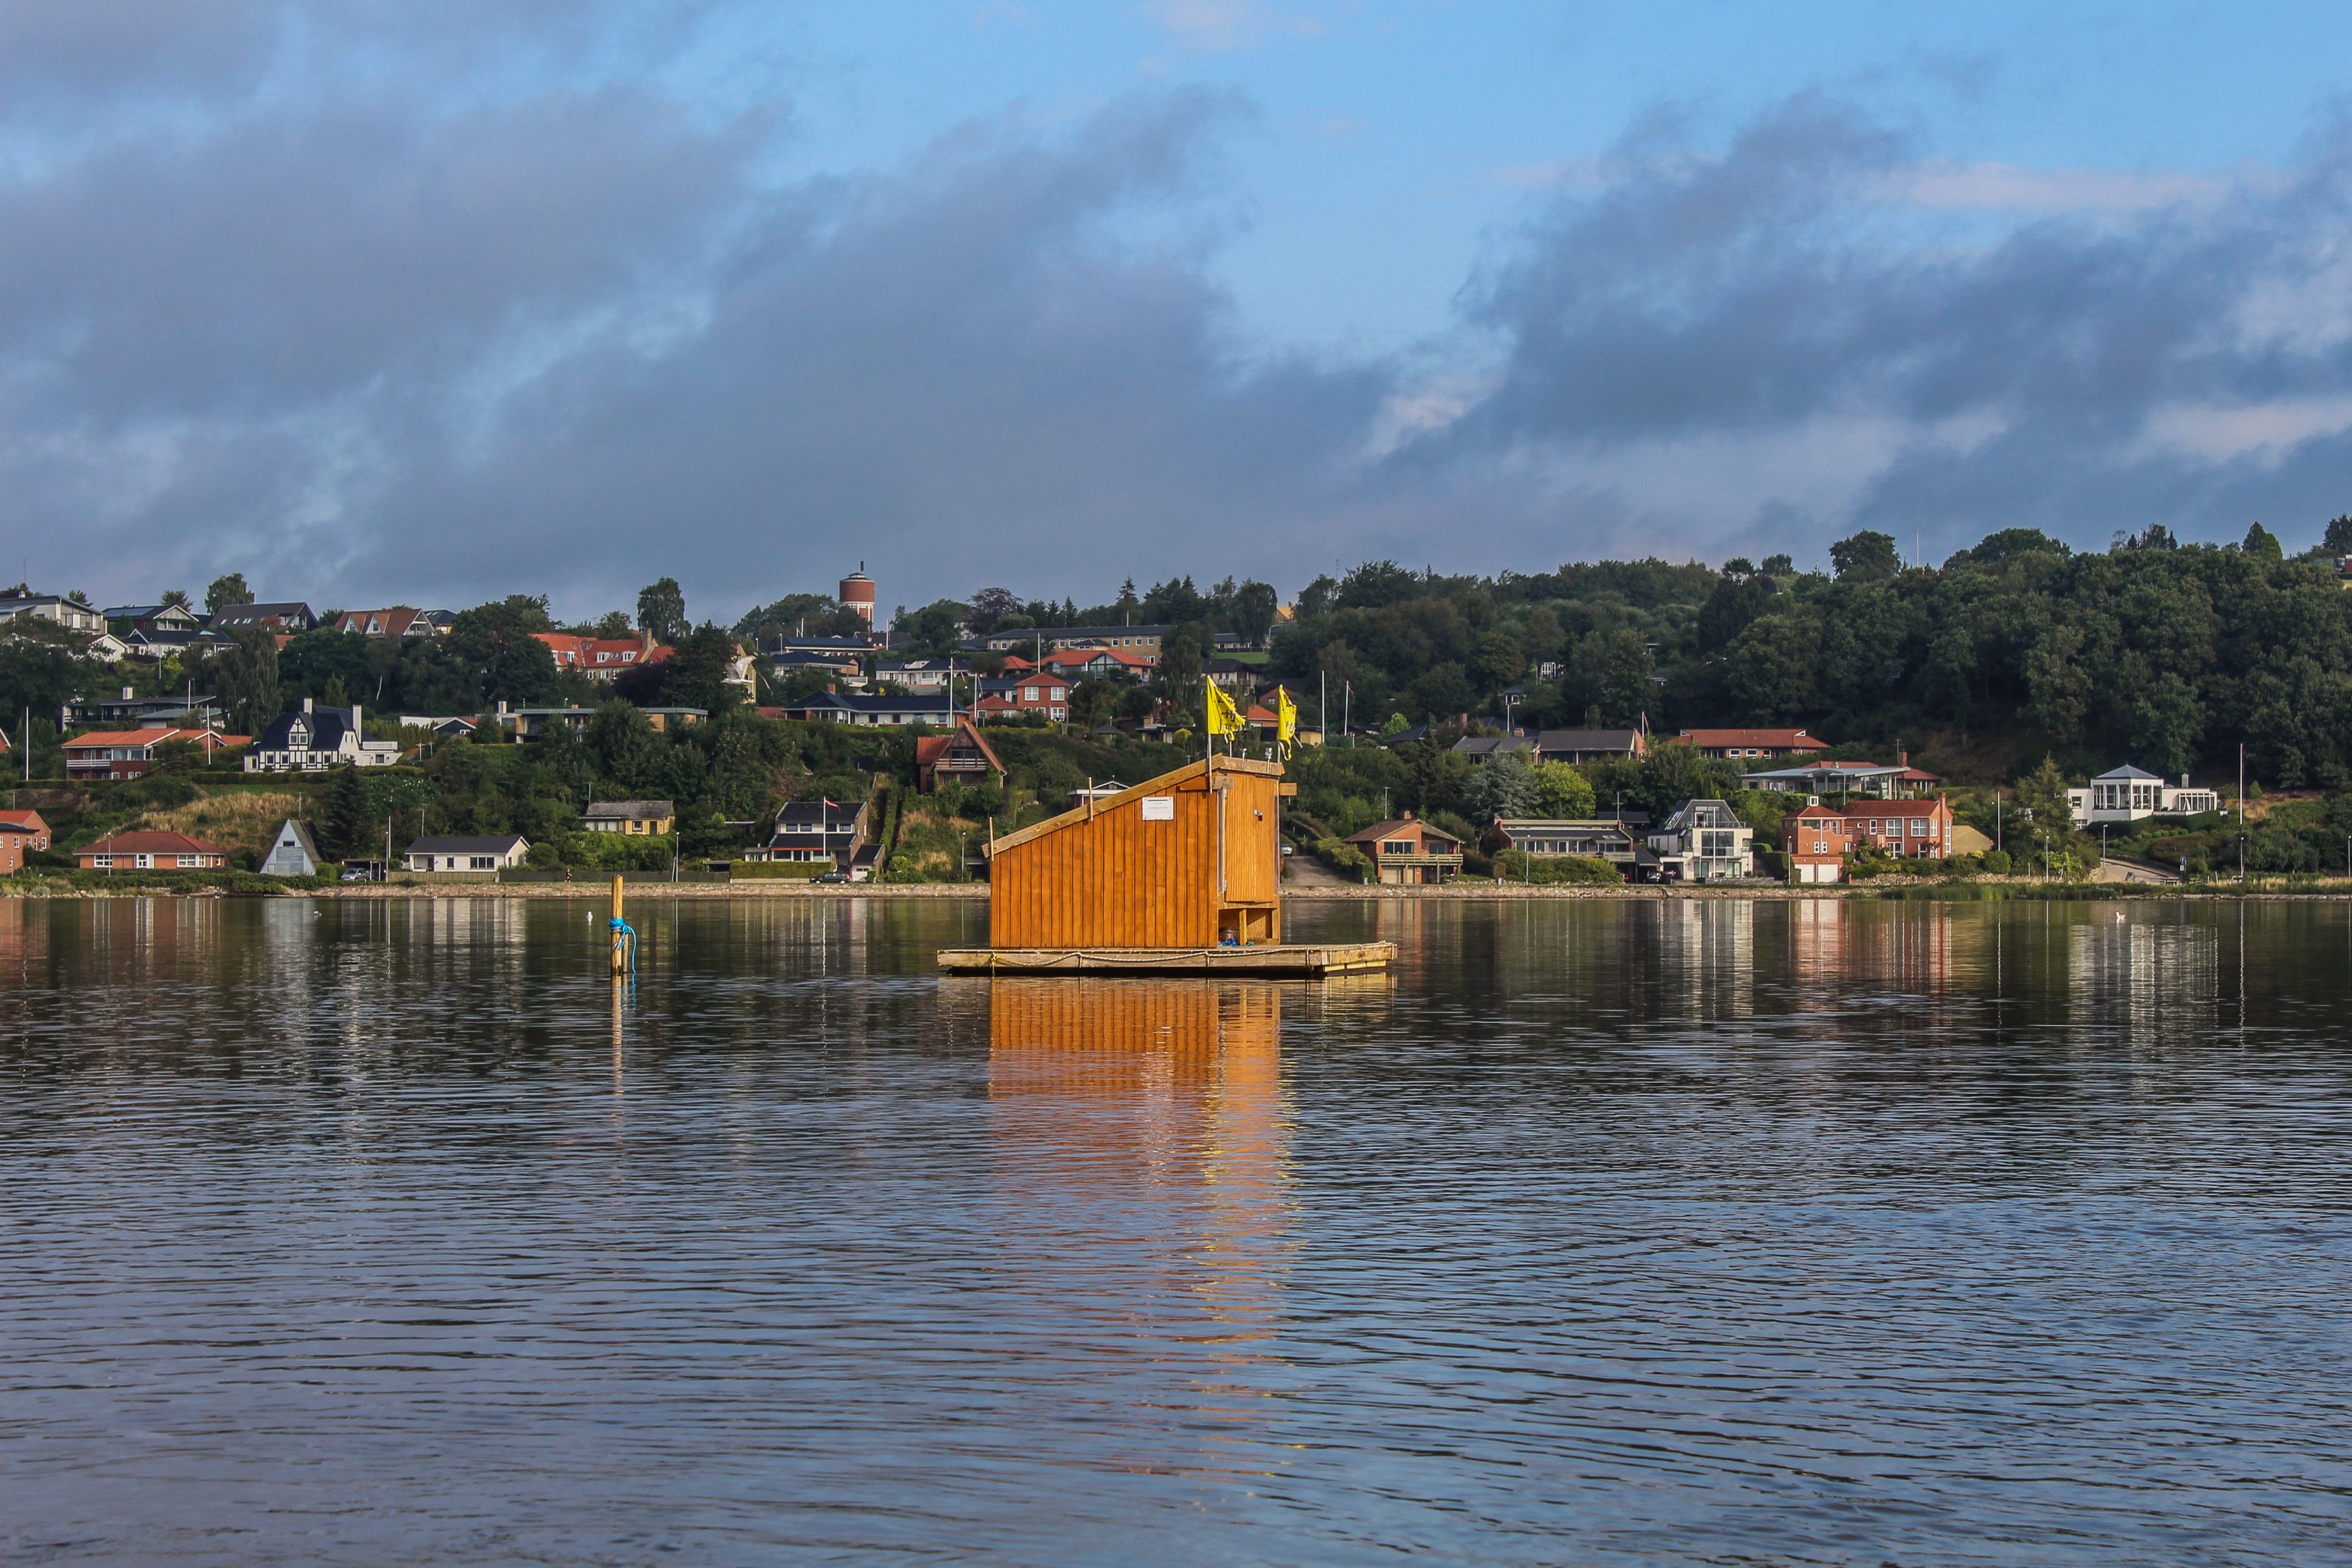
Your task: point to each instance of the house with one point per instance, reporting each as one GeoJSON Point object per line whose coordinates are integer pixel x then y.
{"type": "Point", "coordinates": [70, 614]}
{"type": "Point", "coordinates": [835, 708]}
{"type": "Point", "coordinates": [130, 713]}
{"type": "Point", "coordinates": [1908, 829]}
{"type": "Point", "coordinates": [1143, 641]}
{"type": "Point", "coordinates": [1589, 745]}
{"type": "Point", "coordinates": [846, 668]}
{"type": "Point", "coordinates": [153, 617]}
{"type": "Point", "coordinates": [399, 621]}
{"type": "Point", "coordinates": [963, 753]}
{"type": "Point", "coordinates": [1078, 663]}
{"type": "Point", "coordinates": [130, 753]}
{"type": "Point", "coordinates": [16, 843]}
{"type": "Point", "coordinates": [1230, 674]}
{"type": "Point", "coordinates": [1703, 841]}
{"type": "Point", "coordinates": [282, 617]}
{"type": "Point", "coordinates": [1191, 859]}
{"type": "Point", "coordinates": [311, 738]}
{"type": "Point", "coordinates": [30, 825]}
{"type": "Point", "coordinates": [1593, 838]}
{"type": "Point", "coordinates": [921, 675]}
{"type": "Point", "coordinates": [531, 723]}
{"type": "Point", "coordinates": [1744, 744]}
{"type": "Point", "coordinates": [2130, 794]}
{"type": "Point", "coordinates": [1408, 850]}
{"type": "Point", "coordinates": [291, 853]}
{"type": "Point", "coordinates": [841, 647]}
{"type": "Point", "coordinates": [603, 658]}
{"type": "Point", "coordinates": [815, 830]}
{"type": "Point", "coordinates": [1816, 838]}
{"type": "Point", "coordinates": [1878, 781]}
{"type": "Point", "coordinates": [635, 817]}
{"type": "Point", "coordinates": [106, 648]}
{"type": "Point", "coordinates": [474, 856]}
{"type": "Point", "coordinates": [146, 851]}
{"type": "Point", "coordinates": [1486, 748]}
{"type": "Point", "coordinates": [157, 644]}
{"type": "Point", "coordinates": [451, 726]}
{"type": "Point", "coordinates": [1041, 692]}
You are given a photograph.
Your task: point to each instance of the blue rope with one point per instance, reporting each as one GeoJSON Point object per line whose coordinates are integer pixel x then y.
{"type": "Point", "coordinates": [621, 928]}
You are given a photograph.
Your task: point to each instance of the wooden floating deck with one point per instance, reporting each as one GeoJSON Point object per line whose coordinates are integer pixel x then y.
{"type": "Point", "coordinates": [1293, 960]}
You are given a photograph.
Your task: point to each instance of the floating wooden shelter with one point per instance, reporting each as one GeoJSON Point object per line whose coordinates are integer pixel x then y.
{"type": "Point", "coordinates": [1182, 873]}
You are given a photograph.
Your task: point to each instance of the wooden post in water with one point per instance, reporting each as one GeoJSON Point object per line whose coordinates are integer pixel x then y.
{"type": "Point", "coordinates": [616, 925]}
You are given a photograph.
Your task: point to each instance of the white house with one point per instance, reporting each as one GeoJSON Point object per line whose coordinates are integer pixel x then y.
{"type": "Point", "coordinates": [314, 739]}
{"type": "Point", "coordinates": [292, 854]}
{"type": "Point", "coordinates": [1704, 841]}
{"type": "Point", "coordinates": [70, 614]}
{"type": "Point", "coordinates": [458, 852]}
{"type": "Point", "coordinates": [2133, 795]}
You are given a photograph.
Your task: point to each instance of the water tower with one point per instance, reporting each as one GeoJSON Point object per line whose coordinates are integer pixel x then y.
{"type": "Point", "coordinates": [857, 594]}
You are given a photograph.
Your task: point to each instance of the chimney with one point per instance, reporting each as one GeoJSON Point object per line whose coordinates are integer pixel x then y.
{"type": "Point", "coordinates": [306, 705]}
{"type": "Point", "coordinates": [126, 694]}
{"type": "Point", "coordinates": [502, 706]}
{"type": "Point", "coordinates": [359, 731]}
{"type": "Point", "coordinates": [1902, 758]}
{"type": "Point", "coordinates": [1408, 816]}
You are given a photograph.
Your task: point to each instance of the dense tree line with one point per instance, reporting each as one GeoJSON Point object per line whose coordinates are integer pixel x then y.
{"type": "Point", "coordinates": [2167, 653]}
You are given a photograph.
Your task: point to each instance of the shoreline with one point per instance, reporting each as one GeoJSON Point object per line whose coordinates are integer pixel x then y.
{"type": "Point", "coordinates": [1921, 889]}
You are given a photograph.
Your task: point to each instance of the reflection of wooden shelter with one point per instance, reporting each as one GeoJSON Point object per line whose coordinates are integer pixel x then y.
{"type": "Point", "coordinates": [1190, 859]}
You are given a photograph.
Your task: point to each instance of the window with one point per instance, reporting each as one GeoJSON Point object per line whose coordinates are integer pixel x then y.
{"type": "Point", "coordinates": [186, 860]}
{"type": "Point", "coordinates": [144, 862]}
{"type": "Point", "coordinates": [101, 862]}
{"type": "Point", "coordinates": [485, 862]}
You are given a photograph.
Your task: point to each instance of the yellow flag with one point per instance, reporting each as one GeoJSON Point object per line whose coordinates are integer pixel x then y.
{"type": "Point", "coordinates": [1224, 719]}
{"type": "Point", "coordinates": [1286, 716]}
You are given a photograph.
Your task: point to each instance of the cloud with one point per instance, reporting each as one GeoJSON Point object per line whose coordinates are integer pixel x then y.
{"type": "Point", "coordinates": [1221, 26]}
{"type": "Point", "coordinates": [2119, 351]}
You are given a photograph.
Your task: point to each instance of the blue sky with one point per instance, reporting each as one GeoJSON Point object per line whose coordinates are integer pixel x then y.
{"type": "Point", "coordinates": [436, 300]}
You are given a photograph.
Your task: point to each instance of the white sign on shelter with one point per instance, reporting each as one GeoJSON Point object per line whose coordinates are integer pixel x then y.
{"type": "Point", "coordinates": [1159, 808]}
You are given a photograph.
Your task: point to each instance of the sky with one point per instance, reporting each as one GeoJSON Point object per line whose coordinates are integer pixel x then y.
{"type": "Point", "coordinates": [430, 301]}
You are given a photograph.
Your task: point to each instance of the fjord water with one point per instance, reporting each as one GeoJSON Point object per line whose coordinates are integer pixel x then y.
{"type": "Point", "coordinates": [1600, 1232]}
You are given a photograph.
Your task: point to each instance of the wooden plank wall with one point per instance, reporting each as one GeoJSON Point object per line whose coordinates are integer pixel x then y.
{"type": "Point", "coordinates": [1117, 880]}
{"type": "Point", "coordinates": [1124, 1034]}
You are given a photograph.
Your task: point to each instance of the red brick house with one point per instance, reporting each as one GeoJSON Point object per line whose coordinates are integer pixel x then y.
{"type": "Point", "coordinates": [1037, 691]}
{"type": "Point", "coordinates": [146, 851]}
{"type": "Point", "coordinates": [35, 831]}
{"type": "Point", "coordinates": [1407, 850]}
{"type": "Point", "coordinates": [601, 658]}
{"type": "Point", "coordinates": [1909, 829]}
{"type": "Point", "coordinates": [1743, 744]}
{"type": "Point", "coordinates": [1817, 839]}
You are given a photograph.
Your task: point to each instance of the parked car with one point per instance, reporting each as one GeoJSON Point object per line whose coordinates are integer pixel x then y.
{"type": "Point", "coordinates": [830, 877]}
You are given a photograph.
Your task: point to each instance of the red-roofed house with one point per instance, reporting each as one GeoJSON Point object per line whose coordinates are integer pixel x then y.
{"type": "Point", "coordinates": [962, 753]}
{"type": "Point", "coordinates": [1740, 744]}
{"type": "Point", "coordinates": [146, 851]}
{"type": "Point", "coordinates": [1816, 838]}
{"type": "Point", "coordinates": [601, 658]}
{"type": "Point", "coordinates": [1912, 829]}
{"type": "Point", "coordinates": [129, 753]}
{"type": "Point", "coordinates": [1041, 692]}
{"type": "Point", "coordinates": [27, 824]}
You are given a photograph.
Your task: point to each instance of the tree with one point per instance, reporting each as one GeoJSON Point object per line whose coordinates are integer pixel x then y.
{"type": "Point", "coordinates": [345, 820]}
{"type": "Point", "coordinates": [695, 674]}
{"type": "Point", "coordinates": [494, 647]}
{"type": "Point", "coordinates": [661, 610]}
{"type": "Point", "coordinates": [1444, 692]}
{"type": "Point", "coordinates": [244, 678]}
{"type": "Point", "coordinates": [1865, 557]}
{"type": "Point", "coordinates": [1503, 785]}
{"type": "Point", "coordinates": [990, 606]}
{"type": "Point", "coordinates": [2337, 539]}
{"type": "Point", "coordinates": [226, 591]}
{"type": "Point", "coordinates": [1624, 686]}
{"type": "Point", "coordinates": [1093, 699]}
{"type": "Point", "coordinates": [40, 677]}
{"type": "Point", "coordinates": [2262, 544]}
{"type": "Point", "coordinates": [178, 596]}
{"type": "Point", "coordinates": [1176, 678]}
{"type": "Point", "coordinates": [612, 626]}
{"type": "Point", "coordinates": [2047, 817]}
{"type": "Point", "coordinates": [1254, 604]}
{"type": "Point", "coordinates": [1561, 791]}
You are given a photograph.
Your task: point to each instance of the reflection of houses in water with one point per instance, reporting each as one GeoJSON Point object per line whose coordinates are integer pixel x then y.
{"type": "Point", "coordinates": [1142, 1128]}
{"type": "Point", "coordinates": [1703, 953]}
{"type": "Point", "coordinates": [2158, 978]}
{"type": "Point", "coordinates": [1895, 947]}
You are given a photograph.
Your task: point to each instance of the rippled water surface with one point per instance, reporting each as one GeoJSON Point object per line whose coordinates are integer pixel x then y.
{"type": "Point", "coordinates": [1721, 1232]}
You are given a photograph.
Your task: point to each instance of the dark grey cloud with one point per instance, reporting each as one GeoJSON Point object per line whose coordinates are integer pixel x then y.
{"type": "Point", "coordinates": [2131, 361]}
{"type": "Point", "coordinates": [389, 338]}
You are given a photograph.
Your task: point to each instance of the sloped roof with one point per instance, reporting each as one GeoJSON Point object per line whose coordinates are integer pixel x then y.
{"type": "Point", "coordinates": [618, 810]}
{"type": "Point", "coordinates": [328, 727]}
{"type": "Point", "coordinates": [1383, 829]}
{"type": "Point", "coordinates": [2129, 771]}
{"type": "Point", "coordinates": [150, 841]}
{"type": "Point", "coordinates": [301, 838]}
{"type": "Point", "coordinates": [463, 844]}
